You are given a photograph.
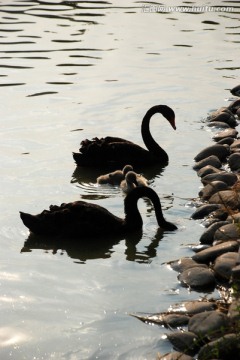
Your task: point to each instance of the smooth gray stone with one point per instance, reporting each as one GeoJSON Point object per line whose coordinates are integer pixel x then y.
{"type": "Point", "coordinates": [194, 307]}
{"type": "Point", "coordinates": [210, 160]}
{"type": "Point", "coordinates": [212, 188]}
{"type": "Point", "coordinates": [209, 324]}
{"type": "Point", "coordinates": [227, 347]}
{"type": "Point", "coordinates": [228, 178]}
{"type": "Point", "coordinates": [234, 106]}
{"type": "Point", "coordinates": [208, 236]}
{"type": "Point", "coordinates": [233, 311]}
{"type": "Point", "coordinates": [235, 90]}
{"type": "Point", "coordinates": [226, 117]}
{"type": "Point", "coordinates": [225, 133]}
{"type": "Point", "coordinates": [227, 141]}
{"type": "Point", "coordinates": [197, 278]}
{"type": "Point", "coordinates": [225, 263]}
{"type": "Point", "coordinates": [218, 124]}
{"type": "Point", "coordinates": [184, 264]}
{"type": "Point", "coordinates": [204, 211]}
{"type": "Point", "coordinates": [175, 356]}
{"type": "Point", "coordinates": [234, 161]}
{"type": "Point", "coordinates": [235, 145]}
{"type": "Point", "coordinates": [208, 169]}
{"type": "Point", "coordinates": [227, 232]}
{"type": "Point", "coordinates": [220, 214]}
{"type": "Point", "coordinates": [219, 150]}
{"type": "Point", "coordinates": [184, 341]}
{"type": "Point", "coordinates": [234, 217]}
{"type": "Point", "coordinates": [210, 254]}
{"type": "Point", "coordinates": [228, 198]}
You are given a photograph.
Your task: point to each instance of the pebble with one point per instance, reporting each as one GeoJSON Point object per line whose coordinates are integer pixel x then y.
{"type": "Point", "coordinates": [225, 263]}
{"type": "Point", "coordinates": [212, 188]}
{"type": "Point", "coordinates": [208, 169]}
{"type": "Point", "coordinates": [197, 278]}
{"type": "Point", "coordinates": [234, 161]}
{"type": "Point", "coordinates": [204, 210]}
{"type": "Point", "coordinates": [227, 232]}
{"type": "Point", "coordinates": [228, 198]}
{"type": "Point", "coordinates": [219, 150]}
{"type": "Point", "coordinates": [175, 356]}
{"type": "Point", "coordinates": [228, 178]}
{"type": "Point", "coordinates": [235, 145]}
{"type": "Point", "coordinates": [209, 324]}
{"type": "Point", "coordinates": [227, 140]}
{"type": "Point", "coordinates": [208, 236]}
{"type": "Point", "coordinates": [210, 160]}
{"type": "Point", "coordinates": [184, 264]}
{"type": "Point", "coordinates": [194, 307]}
{"type": "Point", "coordinates": [227, 347]}
{"type": "Point", "coordinates": [225, 133]}
{"type": "Point", "coordinates": [186, 342]}
{"type": "Point", "coordinates": [226, 117]}
{"type": "Point", "coordinates": [210, 254]}
{"type": "Point", "coordinates": [218, 124]}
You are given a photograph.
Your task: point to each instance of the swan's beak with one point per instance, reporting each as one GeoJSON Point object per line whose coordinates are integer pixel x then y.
{"type": "Point", "coordinates": [172, 122]}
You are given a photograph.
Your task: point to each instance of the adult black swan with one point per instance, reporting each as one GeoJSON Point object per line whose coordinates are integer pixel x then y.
{"type": "Point", "coordinates": [82, 220]}
{"type": "Point", "coordinates": [114, 151]}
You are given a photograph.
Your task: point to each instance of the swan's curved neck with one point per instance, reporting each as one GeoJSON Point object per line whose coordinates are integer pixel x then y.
{"type": "Point", "coordinates": [133, 219]}
{"type": "Point", "coordinates": [149, 142]}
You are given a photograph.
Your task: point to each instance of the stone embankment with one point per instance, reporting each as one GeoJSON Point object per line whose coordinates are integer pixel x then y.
{"type": "Point", "coordinates": [210, 329]}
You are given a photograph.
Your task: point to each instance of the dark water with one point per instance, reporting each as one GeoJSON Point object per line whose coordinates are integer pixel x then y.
{"type": "Point", "coordinates": [71, 70]}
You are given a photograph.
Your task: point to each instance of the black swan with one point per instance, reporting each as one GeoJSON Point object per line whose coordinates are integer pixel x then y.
{"type": "Point", "coordinates": [115, 177]}
{"type": "Point", "coordinates": [82, 220]}
{"type": "Point", "coordinates": [114, 151]}
{"type": "Point", "coordinates": [132, 180]}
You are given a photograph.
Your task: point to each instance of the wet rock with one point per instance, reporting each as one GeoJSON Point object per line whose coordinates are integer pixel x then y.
{"type": "Point", "coordinates": [213, 114]}
{"type": "Point", "coordinates": [235, 145]}
{"type": "Point", "coordinates": [219, 150]}
{"type": "Point", "coordinates": [220, 214]}
{"type": "Point", "coordinates": [175, 356]}
{"type": "Point", "coordinates": [228, 178]}
{"type": "Point", "coordinates": [204, 210]}
{"type": "Point", "coordinates": [208, 169]}
{"type": "Point", "coordinates": [197, 278]}
{"type": "Point", "coordinates": [218, 124]}
{"type": "Point", "coordinates": [199, 247]}
{"type": "Point", "coordinates": [210, 160]}
{"type": "Point", "coordinates": [234, 106]}
{"type": "Point", "coordinates": [235, 218]}
{"type": "Point", "coordinates": [227, 232]}
{"type": "Point", "coordinates": [226, 347]}
{"type": "Point", "coordinates": [233, 312]}
{"type": "Point", "coordinates": [194, 307]}
{"type": "Point", "coordinates": [208, 255]}
{"type": "Point", "coordinates": [208, 324]}
{"type": "Point", "coordinates": [208, 236]}
{"type": "Point", "coordinates": [162, 319]}
{"type": "Point", "coordinates": [236, 274]}
{"type": "Point", "coordinates": [226, 117]}
{"type": "Point", "coordinates": [227, 198]}
{"type": "Point", "coordinates": [186, 342]}
{"type": "Point", "coordinates": [227, 140]}
{"type": "Point", "coordinates": [234, 161]}
{"type": "Point", "coordinates": [184, 264]}
{"type": "Point", "coordinates": [225, 133]}
{"type": "Point", "coordinates": [235, 90]}
{"type": "Point", "coordinates": [225, 263]}
{"type": "Point", "coordinates": [212, 188]}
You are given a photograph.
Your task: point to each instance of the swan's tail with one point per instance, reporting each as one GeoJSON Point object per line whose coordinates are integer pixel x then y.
{"type": "Point", "coordinates": [31, 222]}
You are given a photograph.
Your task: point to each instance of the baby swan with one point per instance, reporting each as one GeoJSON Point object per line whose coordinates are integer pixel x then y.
{"type": "Point", "coordinates": [82, 220]}
{"type": "Point", "coordinates": [132, 180]}
{"type": "Point", "coordinates": [115, 177]}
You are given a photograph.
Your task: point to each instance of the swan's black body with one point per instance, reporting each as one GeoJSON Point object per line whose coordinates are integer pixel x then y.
{"type": "Point", "coordinates": [81, 219]}
{"type": "Point", "coordinates": [114, 151]}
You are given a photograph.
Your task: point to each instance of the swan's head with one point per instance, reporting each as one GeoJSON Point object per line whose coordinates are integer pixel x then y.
{"type": "Point", "coordinates": [168, 113]}
{"type": "Point", "coordinates": [126, 169]}
{"type": "Point", "coordinates": [131, 177]}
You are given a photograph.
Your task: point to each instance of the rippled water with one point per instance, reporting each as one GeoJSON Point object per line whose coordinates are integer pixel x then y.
{"type": "Point", "coordinates": [77, 69]}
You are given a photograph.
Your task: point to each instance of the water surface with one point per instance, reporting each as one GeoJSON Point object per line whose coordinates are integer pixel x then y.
{"type": "Point", "coordinates": [75, 70]}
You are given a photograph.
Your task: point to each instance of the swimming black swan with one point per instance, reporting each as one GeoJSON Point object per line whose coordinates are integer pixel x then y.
{"type": "Point", "coordinates": [115, 151]}
{"type": "Point", "coordinates": [81, 219]}
{"type": "Point", "coordinates": [115, 177]}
